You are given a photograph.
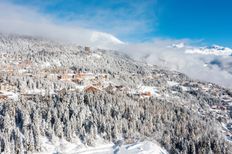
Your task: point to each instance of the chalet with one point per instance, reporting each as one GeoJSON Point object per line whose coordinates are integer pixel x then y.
{"type": "Point", "coordinates": [147, 91]}
{"type": "Point", "coordinates": [8, 95]}
{"type": "Point", "coordinates": [147, 94]}
{"type": "Point", "coordinates": [7, 87]}
{"type": "Point", "coordinates": [87, 49]}
{"type": "Point", "coordinates": [214, 106]}
{"type": "Point", "coordinates": [86, 77]}
{"type": "Point", "coordinates": [3, 97]}
{"type": "Point", "coordinates": [91, 89]}
{"type": "Point", "coordinates": [66, 77]}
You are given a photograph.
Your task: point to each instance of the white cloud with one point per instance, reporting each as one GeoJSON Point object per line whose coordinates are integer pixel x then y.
{"type": "Point", "coordinates": [24, 20]}
{"type": "Point", "coordinates": [162, 53]}
{"type": "Point", "coordinates": [128, 20]}
{"type": "Point", "coordinates": [125, 19]}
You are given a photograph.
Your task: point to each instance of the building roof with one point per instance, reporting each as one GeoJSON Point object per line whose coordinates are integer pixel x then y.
{"type": "Point", "coordinates": [91, 89]}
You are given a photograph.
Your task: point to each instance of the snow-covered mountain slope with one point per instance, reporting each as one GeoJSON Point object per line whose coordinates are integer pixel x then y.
{"type": "Point", "coordinates": [100, 147]}
{"type": "Point", "coordinates": [57, 96]}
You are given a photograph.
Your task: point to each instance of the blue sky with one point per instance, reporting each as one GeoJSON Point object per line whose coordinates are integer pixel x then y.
{"type": "Point", "coordinates": [207, 21]}
{"type": "Point", "coordinates": [210, 20]}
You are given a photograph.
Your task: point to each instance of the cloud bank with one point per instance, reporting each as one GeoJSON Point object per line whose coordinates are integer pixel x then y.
{"type": "Point", "coordinates": [171, 54]}
{"type": "Point", "coordinates": [25, 21]}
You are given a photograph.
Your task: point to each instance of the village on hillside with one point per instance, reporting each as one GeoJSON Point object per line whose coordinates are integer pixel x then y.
{"type": "Point", "coordinates": [84, 89]}
{"type": "Point", "coordinates": [80, 81]}
{"type": "Point", "coordinates": [61, 79]}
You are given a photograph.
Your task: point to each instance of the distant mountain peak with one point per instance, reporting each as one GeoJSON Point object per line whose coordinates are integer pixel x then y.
{"type": "Point", "coordinates": [210, 50]}
{"type": "Point", "coordinates": [178, 45]}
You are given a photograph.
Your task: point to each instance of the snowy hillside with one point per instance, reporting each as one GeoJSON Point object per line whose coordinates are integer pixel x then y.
{"type": "Point", "coordinates": [64, 98]}
{"type": "Point", "coordinates": [77, 147]}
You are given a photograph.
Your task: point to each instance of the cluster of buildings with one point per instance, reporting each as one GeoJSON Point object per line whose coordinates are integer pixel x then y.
{"type": "Point", "coordinates": [7, 91]}
{"type": "Point", "coordinates": [92, 83]}
{"type": "Point", "coordinates": [87, 82]}
{"type": "Point", "coordinates": [222, 110]}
